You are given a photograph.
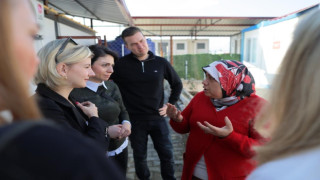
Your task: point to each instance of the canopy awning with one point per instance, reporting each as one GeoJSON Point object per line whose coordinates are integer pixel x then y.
{"type": "Point", "coordinates": [105, 10]}
{"type": "Point", "coordinates": [195, 26]}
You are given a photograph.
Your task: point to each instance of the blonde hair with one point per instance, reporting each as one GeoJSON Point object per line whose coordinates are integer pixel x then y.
{"type": "Point", "coordinates": [47, 72]}
{"type": "Point", "coordinates": [294, 109]}
{"type": "Point", "coordinates": [14, 94]}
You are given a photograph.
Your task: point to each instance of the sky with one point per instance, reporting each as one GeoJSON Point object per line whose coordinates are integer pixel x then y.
{"type": "Point", "coordinates": [231, 8]}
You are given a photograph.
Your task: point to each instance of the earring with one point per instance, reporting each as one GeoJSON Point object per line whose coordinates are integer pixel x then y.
{"type": "Point", "coordinates": [65, 77]}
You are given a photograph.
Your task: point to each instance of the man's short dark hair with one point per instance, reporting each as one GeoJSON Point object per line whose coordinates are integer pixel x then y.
{"type": "Point", "coordinates": [129, 32]}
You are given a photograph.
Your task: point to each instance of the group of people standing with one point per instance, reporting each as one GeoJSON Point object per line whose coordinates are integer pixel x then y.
{"type": "Point", "coordinates": [74, 90]}
{"type": "Point", "coordinates": [77, 124]}
{"type": "Point", "coordinates": [79, 117]}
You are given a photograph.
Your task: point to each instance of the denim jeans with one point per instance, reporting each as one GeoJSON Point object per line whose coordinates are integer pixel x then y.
{"type": "Point", "coordinates": [157, 128]}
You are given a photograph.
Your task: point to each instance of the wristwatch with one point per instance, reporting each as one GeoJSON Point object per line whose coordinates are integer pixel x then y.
{"type": "Point", "coordinates": [106, 131]}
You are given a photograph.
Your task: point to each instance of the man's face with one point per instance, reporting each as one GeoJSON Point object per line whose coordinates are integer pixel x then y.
{"type": "Point", "coordinates": [137, 44]}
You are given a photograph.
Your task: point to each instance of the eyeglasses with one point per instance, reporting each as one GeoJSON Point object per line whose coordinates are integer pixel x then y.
{"type": "Point", "coordinates": [63, 46]}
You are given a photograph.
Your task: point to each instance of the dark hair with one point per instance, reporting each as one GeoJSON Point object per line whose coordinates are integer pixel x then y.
{"type": "Point", "coordinates": [101, 51]}
{"type": "Point", "coordinates": [129, 32]}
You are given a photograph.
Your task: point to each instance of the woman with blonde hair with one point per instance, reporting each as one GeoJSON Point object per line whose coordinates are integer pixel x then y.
{"type": "Point", "coordinates": [293, 116]}
{"type": "Point", "coordinates": [31, 148]}
{"type": "Point", "coordinates": [65, 65]}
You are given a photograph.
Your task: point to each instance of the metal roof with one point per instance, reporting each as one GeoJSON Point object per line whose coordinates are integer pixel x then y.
{"type": "Point", "coordinates": [194, 26]}
{"type": "Point", "coordinates": [105, 10]}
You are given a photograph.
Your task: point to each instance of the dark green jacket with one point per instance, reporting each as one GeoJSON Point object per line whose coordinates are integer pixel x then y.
{"type": "Point", "coordinates": [110, 106]}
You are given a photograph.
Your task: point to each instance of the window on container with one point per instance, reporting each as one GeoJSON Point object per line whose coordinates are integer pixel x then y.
{"type": "Point", "coordinates": [254, 51]}
{"type": "Point", "coordinates": [164, 47]}
{"type": "Point", "coordinates": [235, 46]}
{"type": "Point", "coordinates": [201, 46]}
{"type": "Point", "coordinates": [180, 46]}
{"type": "Point", "coordinates": [248, 50]}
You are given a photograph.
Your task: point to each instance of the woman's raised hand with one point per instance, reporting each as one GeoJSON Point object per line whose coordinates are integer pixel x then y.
{"type": "Point", "coordinates": [216, 131]}
{"type": "Point", "coordinates": [173, 113]}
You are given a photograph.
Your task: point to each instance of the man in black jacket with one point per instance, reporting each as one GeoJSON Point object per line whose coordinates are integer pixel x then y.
{"type": "Point", "coordinates": [140, 76]}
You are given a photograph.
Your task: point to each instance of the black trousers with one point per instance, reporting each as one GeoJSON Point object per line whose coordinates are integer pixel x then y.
{"type": "Point", "coordinates": [158, 129]}
{"type": "Point", "coordinates": [121, 160]}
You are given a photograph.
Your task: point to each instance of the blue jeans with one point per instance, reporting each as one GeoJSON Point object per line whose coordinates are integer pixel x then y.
{"type": "Point", "coordinates": [157, 128]}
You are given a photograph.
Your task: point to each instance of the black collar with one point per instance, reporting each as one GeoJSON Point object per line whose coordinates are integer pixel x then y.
{"type": "Point", "coordinates": [45, 91]}
{"type": "Point", "coordinates": [150, 57]}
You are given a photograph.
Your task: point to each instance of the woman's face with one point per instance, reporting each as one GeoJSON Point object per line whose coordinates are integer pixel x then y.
{"type": "Point", "coordinates": [24, 29]}
{"type": "Point", "coordinates": [79, 73]}
{"type": "Point", "coordinates": [212, 88]}
{"type": "Point", "coordinates": [103, 68]}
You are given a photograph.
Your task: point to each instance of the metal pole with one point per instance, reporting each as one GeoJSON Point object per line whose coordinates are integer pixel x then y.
{"type": "Point", "coordinates": [186, 70]}
{"type": "Point", "coordinates": [122, 49]}
{"type": "Point", "coordinates": [105, 41]}
{"type": "Point", "coordinates": [161, 50]}
{"type": "Point", "coordinates": [56, 29]}
{"type": "Point", "coordinates": [45, 2]}
{"type": "Point", "coordinates": [171, 51]}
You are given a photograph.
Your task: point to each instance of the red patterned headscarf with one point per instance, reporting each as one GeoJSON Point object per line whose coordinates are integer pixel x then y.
{"type": "Point", "coordinates": [234, 78]}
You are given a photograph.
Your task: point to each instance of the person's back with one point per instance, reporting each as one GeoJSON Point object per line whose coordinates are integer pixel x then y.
{"type": "Point", "coordinates": [292, 120]}
{"type": "Point", "coordinates": [40, 150]}
{"type": "Point", "coordinates": [307, 167]}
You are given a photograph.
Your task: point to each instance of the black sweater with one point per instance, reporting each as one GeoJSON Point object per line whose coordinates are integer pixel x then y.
{"type": "Point", "coordinates": [141, 83]}
{"type": "Point", "coordinates": [110, 106]}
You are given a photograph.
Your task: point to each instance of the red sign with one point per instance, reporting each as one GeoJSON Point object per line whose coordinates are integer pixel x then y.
{"type": "Point", "coordinates": [39, 9]}
{"type": "Point", "coordinates": [276, 45]}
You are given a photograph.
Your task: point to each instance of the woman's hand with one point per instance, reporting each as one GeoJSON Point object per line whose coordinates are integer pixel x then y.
{"type": "Point", "coordinates": [173, 113]}
{"type": "Point", "coordinates": [125, 130]}
{"type": "Point", "coordinates": [88, 108]}
{"type": "Point", "coordinates": [216, 131]}
{"type": "Point", "coordinates": [114, 131]}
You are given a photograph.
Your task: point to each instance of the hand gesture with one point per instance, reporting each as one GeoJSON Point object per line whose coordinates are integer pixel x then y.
{"type": "Point", "coordinates": [114, 131]}
{"type": "Point", "coordinates": [216, 131]}
{"type": "Point", "coordinates": [88, 108]}
{"type": "Point", "coordinates": [173, 113]}
{"type": "Point", "coordinates": [125, 130]}
{"type": "Point", "coordinates": [163, 111]}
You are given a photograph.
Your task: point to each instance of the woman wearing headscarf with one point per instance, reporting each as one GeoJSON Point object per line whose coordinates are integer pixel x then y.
{"type": "Point", "coordinates": [220, 122]}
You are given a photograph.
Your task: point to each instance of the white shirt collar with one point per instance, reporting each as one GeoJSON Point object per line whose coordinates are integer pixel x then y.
{"type": "Point", "coordinates": [94, 86]}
